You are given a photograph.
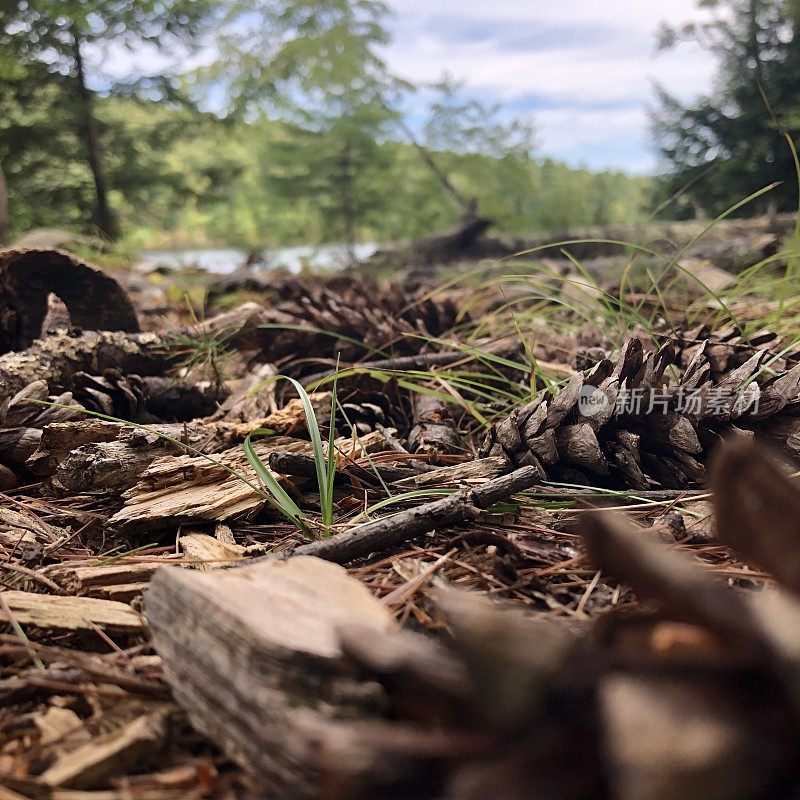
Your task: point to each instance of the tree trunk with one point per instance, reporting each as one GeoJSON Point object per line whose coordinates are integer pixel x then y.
{"type": "Point", "coordinates": [441, 176]}
{"type": "Point", "coordinates": [348, 202]}
{"type": "Point", "coordinates": [104, 216]}
{"type": "Point", "coordinates": [4, 219]}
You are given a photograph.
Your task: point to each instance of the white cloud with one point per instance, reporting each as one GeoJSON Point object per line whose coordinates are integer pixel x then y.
{"type": "Point", "coordinates": [600, 138]}
{"type": "Point", "coordinates": [583, 54]}
{"type": "Point", "coordinates": [635, 13]}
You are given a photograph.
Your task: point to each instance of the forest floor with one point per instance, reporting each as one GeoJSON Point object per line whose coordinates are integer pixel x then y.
{"type": "Point", "coordinates": [443, 438]}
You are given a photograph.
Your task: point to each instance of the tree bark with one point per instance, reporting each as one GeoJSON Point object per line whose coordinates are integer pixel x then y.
{"type": "Point", "coordinates": [105, 219]}
{"type": "Point", "coordinates": [5, 222]}
{"type": "Point", "coordinates": [58, 357]}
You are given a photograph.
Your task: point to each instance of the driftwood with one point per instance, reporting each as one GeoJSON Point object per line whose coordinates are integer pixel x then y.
{"type": "Point", "coordinates": [94, 299]}
{"type": "Point", "coordinates": [733, 245]}
{"type": "Point", "coordinates": [463, 241]}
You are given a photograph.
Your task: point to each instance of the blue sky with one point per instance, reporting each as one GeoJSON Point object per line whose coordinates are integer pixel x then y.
{"type": "Point", "coordinates": [582, 70]}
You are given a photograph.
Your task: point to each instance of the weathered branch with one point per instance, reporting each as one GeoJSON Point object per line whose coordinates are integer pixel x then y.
{"type": "Point", "coordinates": [391, 531]}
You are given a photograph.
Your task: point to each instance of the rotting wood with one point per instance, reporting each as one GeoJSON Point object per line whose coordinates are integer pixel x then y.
{"type": "Point", "coordinates": [489, 709]}
{"type": "Point", "coordinates": [96, 455]}
{"type": "Point", "coordinates": [470, 473]}
{"type": "Point", "coordinates": [118, 464]}
{"type": "Point", "coordinates": [94, 298]}
{"type": "Point", "coordinates": [22, 421]}
{"type": "Point", "coordinates": [304, 466]}
{"type": "Point", "coordinates": [191, 488]}
{"type": "Point", "coordinates": [56, 358]}
{"type": "Point", "coordinates": [61, 440]}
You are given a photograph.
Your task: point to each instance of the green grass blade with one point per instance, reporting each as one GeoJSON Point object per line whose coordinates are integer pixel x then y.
{"type": "Point", "coordinates": [281, 499]}
{"type": "Point", "coordinates": [320, 461]}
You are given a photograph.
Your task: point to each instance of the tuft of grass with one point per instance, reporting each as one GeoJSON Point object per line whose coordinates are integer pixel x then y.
{"type": "Point", "coordinates": [324, 462]}
{"type": "Point", "coordinates": [202, 352]}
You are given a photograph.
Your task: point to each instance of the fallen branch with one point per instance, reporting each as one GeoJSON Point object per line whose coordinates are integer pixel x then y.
{"type": "Point", "coordinates": [391, 531]}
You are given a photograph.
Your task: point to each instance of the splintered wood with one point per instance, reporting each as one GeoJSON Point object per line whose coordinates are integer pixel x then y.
{"type": "Point", "coordinates": [69, 613]}
{"type": "Point", "coordinates": [175, 488]}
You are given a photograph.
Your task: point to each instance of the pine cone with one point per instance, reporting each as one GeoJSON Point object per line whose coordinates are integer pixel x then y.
{"type": "Point", "coordinates": [726, 348]}
{"type": "Point", "coordinates": [112, 393]}
{"type": "Point", "coordinates": [434, 430]}
{"type": "Point", "coordinates": [21, 421]}
{"type": "Point", "coordinates": [631, 424]}
{"type": "Point", "coordinates": [397, 319]}
{"type": "Point", "coordinates": [370, 405]}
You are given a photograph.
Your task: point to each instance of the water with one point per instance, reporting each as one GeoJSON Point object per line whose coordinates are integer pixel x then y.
{"type": "Point", "coordinates": [227, 259]}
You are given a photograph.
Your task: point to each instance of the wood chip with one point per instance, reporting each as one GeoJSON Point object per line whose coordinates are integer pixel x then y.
{"type": "Point", "coordinates": [71, 613]}
{"type": "Point", "coordinates": [208, 552]}
{"type": "Point", "coordinates": [254, 657]}
{"type": "Point", "coordinates": [90, 765]}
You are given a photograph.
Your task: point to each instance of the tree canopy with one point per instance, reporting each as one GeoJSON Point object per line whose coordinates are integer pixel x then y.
{"type": "Point", "coordinates": [298, 132]}
{"type": "Point", "coordinates": [45, 55]}
{"type": "Point", "coordinates": [736, 140]}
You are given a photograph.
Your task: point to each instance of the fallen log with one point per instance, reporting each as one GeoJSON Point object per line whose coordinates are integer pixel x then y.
{"type": "Point", "coordinates": [463, 241]}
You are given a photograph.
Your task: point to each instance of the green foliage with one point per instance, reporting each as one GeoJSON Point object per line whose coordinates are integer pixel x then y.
{"type": "Point", "coordinates": [281, 499]}
{"type": "Point", "coordinates": [309, 152]}
{"type": "Point", "coordinates": [234, 183]}
{"type": "Point", "coordinates": [44, 80]}
{"type": "Point", "coordinates": [316, 63]}
{"type": "Point", "coordinates": [732, 142]}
